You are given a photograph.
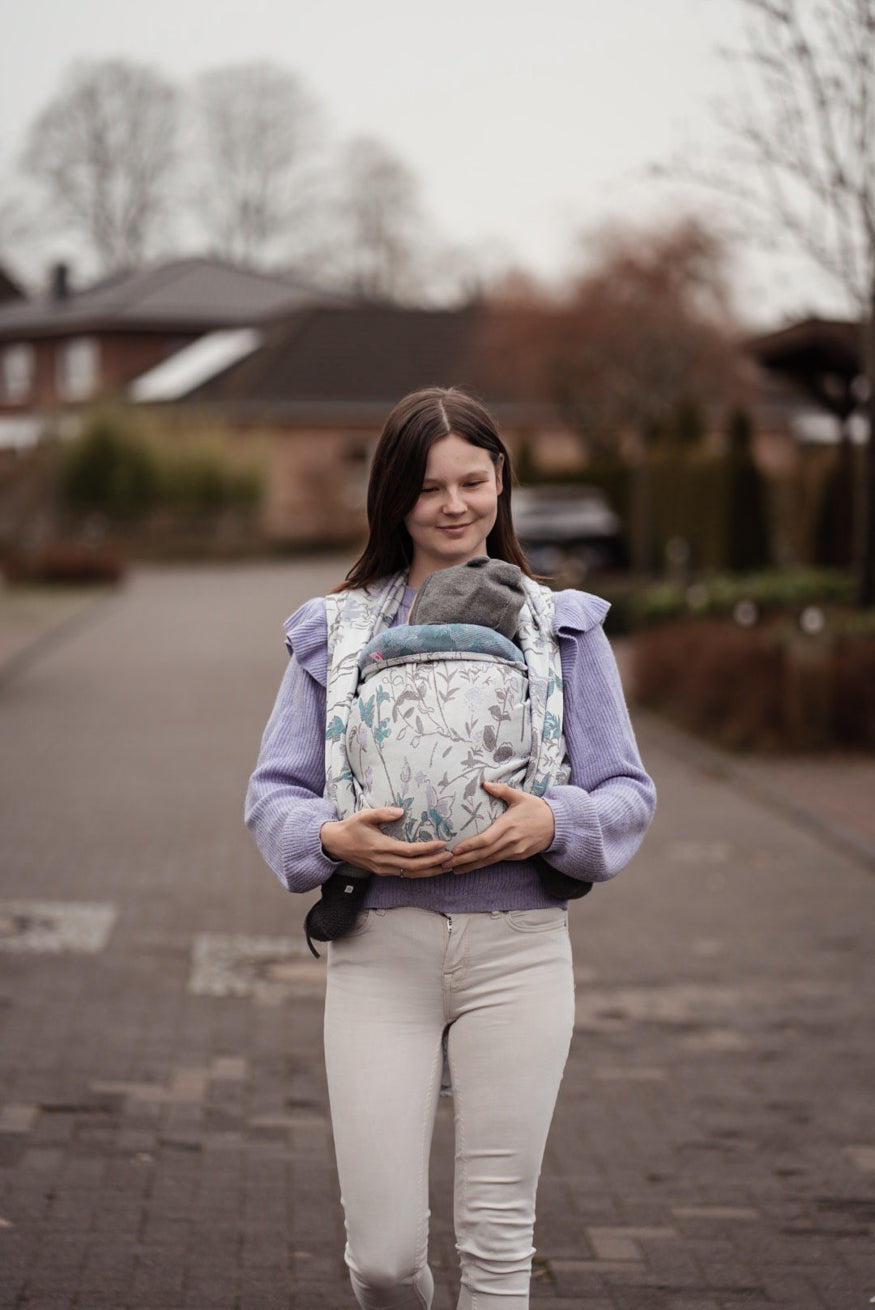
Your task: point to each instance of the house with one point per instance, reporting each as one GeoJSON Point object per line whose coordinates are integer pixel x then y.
{"type": "Point", "coordinates": [68, 347]}
{"type": "Point", "coordinates": [317, 386]}
{"type": "Point", "coordinates": [812, 370]}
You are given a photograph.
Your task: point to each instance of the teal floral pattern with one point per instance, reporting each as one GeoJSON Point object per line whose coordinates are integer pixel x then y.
{"type": "Point", "coordinates": [429, 726]}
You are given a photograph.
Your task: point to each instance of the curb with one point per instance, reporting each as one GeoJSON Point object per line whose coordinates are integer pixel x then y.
{"type": "Point", "coordinates": [52, 635]}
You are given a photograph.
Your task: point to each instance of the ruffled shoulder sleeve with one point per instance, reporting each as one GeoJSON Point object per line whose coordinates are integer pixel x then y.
{"type": "Point", "coordinates": [307, 638]}
{"type": "Point", "coordinates": [577, 611]}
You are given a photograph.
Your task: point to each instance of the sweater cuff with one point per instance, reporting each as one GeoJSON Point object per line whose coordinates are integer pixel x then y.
{"type": "Point", "coordinates": [576, 846]}
{"type": "Point", "coordinates": [303, 853]}
{"type": "Point", "coordinates": [562, 824]}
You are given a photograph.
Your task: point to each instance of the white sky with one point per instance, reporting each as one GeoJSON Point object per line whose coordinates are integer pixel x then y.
{"type": "Point", "coordinates": [524, 120]}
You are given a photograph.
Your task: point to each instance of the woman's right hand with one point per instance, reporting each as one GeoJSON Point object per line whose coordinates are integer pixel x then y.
{"type": "Point", "coordinates": [359, 840]}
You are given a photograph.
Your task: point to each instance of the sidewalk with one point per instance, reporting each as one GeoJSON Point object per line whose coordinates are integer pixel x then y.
{"type": "Point", "coordinates": [164, 1139]}
{"type": "Point", "coordinates": [33, 617]}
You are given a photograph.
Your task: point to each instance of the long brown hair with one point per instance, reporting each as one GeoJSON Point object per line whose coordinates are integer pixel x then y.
{"type": "Point", "coordinates": [398, 472]}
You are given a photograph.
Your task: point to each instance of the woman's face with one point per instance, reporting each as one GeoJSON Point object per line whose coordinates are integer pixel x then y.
{"type": "Point", "coordinates": [456, 508]}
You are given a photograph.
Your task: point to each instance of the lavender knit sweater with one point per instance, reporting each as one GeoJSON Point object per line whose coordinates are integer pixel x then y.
{"type": "Point", "coordinates": [601, 815]}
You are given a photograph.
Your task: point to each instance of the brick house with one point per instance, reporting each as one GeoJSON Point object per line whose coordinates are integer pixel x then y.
{"type": "Point", "coordinates": [68, 347]}
{"type": "Point", "coordinates": [317, 386]}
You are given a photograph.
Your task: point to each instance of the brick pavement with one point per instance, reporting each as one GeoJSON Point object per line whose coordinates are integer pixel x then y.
{"type": "Point", "coordinates": [164, 1143]}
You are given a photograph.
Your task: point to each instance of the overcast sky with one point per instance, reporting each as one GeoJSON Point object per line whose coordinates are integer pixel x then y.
{"type": "Point", "coordinates": [524, 120]}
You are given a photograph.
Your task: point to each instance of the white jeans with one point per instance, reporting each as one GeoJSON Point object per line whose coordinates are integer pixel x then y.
{"type": "Point", "coordinates": [502, 985]}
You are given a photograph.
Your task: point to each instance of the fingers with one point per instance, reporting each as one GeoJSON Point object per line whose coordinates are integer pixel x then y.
{"type": "Point", "coordinates": [478, 860]}
{"type": "Point", "coordinates": [482, 842]}
{"type": "Point", "coordinates": [414, 866]}
{"type": "Point", "coordinates": [390, 857]}
{"type": "Point", "coordinates": [384, 814]}
{"type": "Point", "coordinates": [525, 828]}
{"type": "Point", "coordinates": [488, 841]}
{"type": "Point", "coordinates": [388, 814]}
{"type": "Point", "coordinates": [477, 852]}
{"type": "Point", "coordinates": [510, 795]}
{"type": "Point", "coordinates": [412, 849]}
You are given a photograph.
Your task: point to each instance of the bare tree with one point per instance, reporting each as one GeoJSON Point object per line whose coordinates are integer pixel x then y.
{"type": "Point", "coordinates": [644, 329]}
{"type": "Point", "coordinates": [104, 150]}
{"type": "Point", "coordinates": [256, 127]}
{"type": "Point", "coordinates": [801, 162]}
{"type": "Point", "coordinates": [382, 245]}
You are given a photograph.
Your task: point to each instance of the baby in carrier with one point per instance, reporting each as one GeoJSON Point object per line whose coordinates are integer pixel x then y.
{"type": "Point", "coordinates": [442, 706]}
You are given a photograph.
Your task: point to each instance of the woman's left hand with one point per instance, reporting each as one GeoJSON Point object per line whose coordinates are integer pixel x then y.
{"type": "Point", "coordinates": [526, 828]}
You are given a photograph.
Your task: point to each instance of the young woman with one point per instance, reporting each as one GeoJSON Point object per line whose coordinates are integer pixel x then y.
{"type": "Point", "coordinates": [461, 948]}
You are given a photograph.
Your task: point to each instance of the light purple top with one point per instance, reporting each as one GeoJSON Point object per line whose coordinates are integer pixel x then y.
{"type": "Point", "coordinates": [601, 814]}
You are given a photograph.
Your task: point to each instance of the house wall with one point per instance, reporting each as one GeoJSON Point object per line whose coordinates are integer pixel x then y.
{"type": "Point", "coordinates": [317, 484]}
{"type": "Point", "coordinates": [125, 357]}
{"type": "Point", "coordinates": [120, 358]}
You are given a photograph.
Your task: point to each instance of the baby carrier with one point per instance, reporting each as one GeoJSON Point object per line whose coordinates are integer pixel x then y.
{"type": "Point", "coordinates": [439, 706]}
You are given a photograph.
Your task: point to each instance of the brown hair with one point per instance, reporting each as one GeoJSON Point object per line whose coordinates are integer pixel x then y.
{"type": "Point", "coordinates": [398, 472]}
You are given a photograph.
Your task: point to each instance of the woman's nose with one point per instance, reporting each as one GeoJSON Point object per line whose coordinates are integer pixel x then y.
{"type": "Point", "coordinates": [453, 502]}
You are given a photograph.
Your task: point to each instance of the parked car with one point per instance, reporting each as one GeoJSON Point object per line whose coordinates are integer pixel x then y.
{"type": "Point", "coordinates": [568, 528]}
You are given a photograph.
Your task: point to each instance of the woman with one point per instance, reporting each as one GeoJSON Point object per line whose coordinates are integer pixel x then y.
{"type": "Point", "coordinates": [464, 946]}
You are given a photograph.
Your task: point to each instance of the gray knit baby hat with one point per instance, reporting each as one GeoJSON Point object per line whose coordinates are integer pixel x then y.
{"type": "Point", "coordinates": [485, 591]}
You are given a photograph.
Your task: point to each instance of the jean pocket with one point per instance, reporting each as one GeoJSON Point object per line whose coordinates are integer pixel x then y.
{"type": "Point", "coordinates": [536, 920]}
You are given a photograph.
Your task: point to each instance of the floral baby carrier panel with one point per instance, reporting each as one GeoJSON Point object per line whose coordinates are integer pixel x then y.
{"type": "Point", "coordinates": [396, 698]}
{"type": "Point", "coordinates": [440, 709]}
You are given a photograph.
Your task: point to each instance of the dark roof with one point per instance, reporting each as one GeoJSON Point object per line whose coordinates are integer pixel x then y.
{"type": "Point", "coordinates": [822, 357]}
{"type": "Point", "coordinates": [339, 362]}
{"type": "Point", "coordinates": [826, 343]}
{"type": "Point", "coordinates": [185, 295]}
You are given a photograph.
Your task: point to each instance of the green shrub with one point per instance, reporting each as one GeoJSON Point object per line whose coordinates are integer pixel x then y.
{"type": "Point", "coordinates": [108, 471]}
{"type": "Point", "coordinates": [112, 471]}
{"type": "Point", "coordinates": [196, 485]}
{"type": "Point", "coordinates": [771, 591]}
{"type": "Point", "coordinates": [245, 490]}
{"type": "Point", "coordinates": [202, 484]}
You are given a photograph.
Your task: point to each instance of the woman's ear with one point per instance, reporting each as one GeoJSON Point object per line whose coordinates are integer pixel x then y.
{"type": "Point", "coordinates": [499, 480]}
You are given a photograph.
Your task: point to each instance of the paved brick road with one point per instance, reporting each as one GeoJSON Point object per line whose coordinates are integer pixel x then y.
{"type": "Point", "coordinates": [163, 1137]}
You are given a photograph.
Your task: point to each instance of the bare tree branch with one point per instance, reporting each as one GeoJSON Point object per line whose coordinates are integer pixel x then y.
{"type": "Point", "coordinates": [256, 128]}
{"type": "Point", "coordinates": [104, 150]}
{"type": "Point", "coordinates": [381, 239]}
